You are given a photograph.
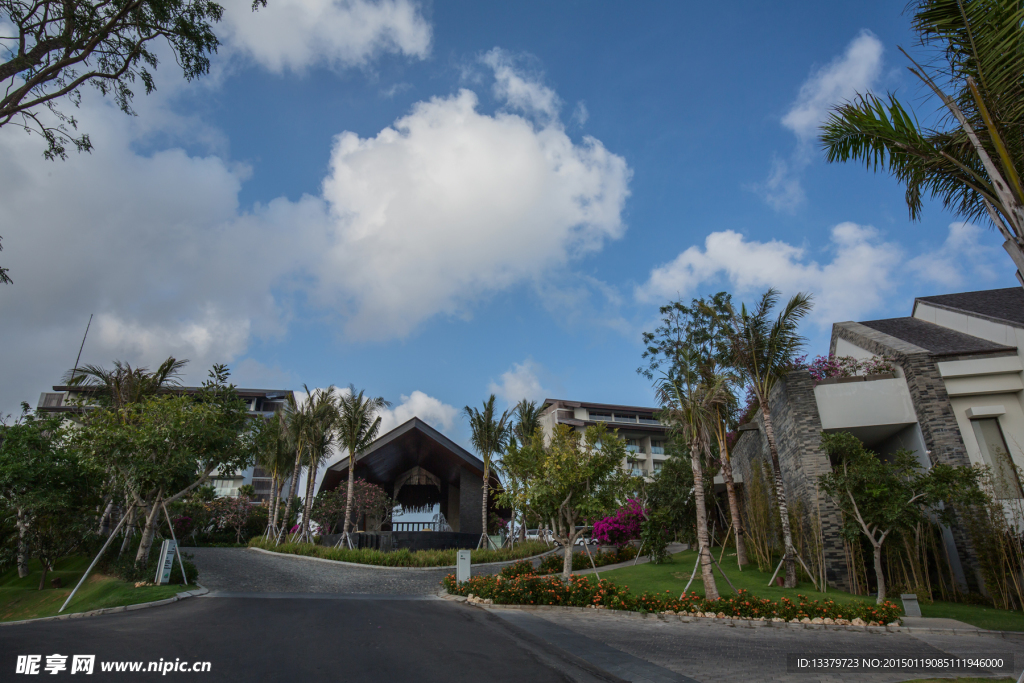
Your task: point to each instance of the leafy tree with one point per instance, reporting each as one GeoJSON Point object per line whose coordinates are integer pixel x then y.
{"type": "Point", "coordinates": [690, 407]}
{"type": "Point", "coordinates": [880, 496]}
{"type": "Point", "coordinates": [52, 49]}
{"type": "Point", "coordinates": [699, 333]}
{"type": "Point", "coordinates": [671, 490]}
{"type": "Point", "coordinates": [490, 435]}
{"type": "Point", "coordinates": [296, 421]}
{"type": "Point", "coordinates": [164, 447]}
{"type": "Point", "coordinates": [47, 488]}
{"type": "Point", "coordinates": [358, 426]}
{"type": "Point", "coordinates": [973, 159]}
{"type": "Point", "coordinates": [527, 420]}
{"type": "Point", "coordinates": [572, 480]}
{"type": "Point", "coordinates": [368, 500]}
{"type": "Point", "coordinates": [123, 384]}
{"type": "Point", "coordinates": [247, 490]}
{"type": "Point", "coordinates": [764, 351]}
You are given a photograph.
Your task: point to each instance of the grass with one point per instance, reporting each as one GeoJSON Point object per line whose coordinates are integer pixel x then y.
{"type": "Point", "coordinates": [21, 599]}
{"type": "Point", "coordinates": [402, 558]}
{"type": "Point", "coordinates": [672, 576]}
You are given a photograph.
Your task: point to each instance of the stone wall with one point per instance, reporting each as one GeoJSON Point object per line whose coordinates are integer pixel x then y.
{"type": "Point", "coordinates": [798, 437]}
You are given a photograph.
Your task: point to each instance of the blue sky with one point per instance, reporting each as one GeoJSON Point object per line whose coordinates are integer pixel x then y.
{"type": "Point", "coordinates": [434, 201]}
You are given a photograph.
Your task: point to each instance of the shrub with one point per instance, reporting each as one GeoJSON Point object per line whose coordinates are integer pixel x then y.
{"type": "Point", "coordinates": [124, 567]}
{"type": "Point", "coordinates": [403, 557]}
{"type": "Point", "coordinates": [623, 526]}
{"type": "Point", "coordinates": [517, 569]}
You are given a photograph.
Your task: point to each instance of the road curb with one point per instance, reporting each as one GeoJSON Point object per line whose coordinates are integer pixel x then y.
{"type": "Point", "coordinates": [744, 623]}
{"type": "Point", "coordinates": [380, 566]}
{"type": "Point", "coordinates": [112, 610]}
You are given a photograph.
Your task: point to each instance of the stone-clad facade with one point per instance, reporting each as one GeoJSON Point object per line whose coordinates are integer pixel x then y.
{"type": "Point", "coordinates": [798, 436]}
{"type": "Point", "coordinates": [955, 396]}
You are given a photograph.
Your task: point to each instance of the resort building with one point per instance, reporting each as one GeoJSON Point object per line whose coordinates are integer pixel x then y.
{"type": "Point", "coordinates": [954, 396]}
{"type": "Point", "coordinates": [645, 436]}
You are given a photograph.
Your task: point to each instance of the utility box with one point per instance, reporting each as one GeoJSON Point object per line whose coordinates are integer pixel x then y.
{"type": "Point", "coordinates": [462, 566]}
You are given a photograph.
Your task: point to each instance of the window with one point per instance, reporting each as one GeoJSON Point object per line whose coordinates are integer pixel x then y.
{"type": "Point", "coordinates": [624, 418]}
{"type": "Point", "coordinates": [599, 417]}
{"type": "Point", "coordinates": [658, 447]}
{"type": "Point", "coordinates": [637, 471]}
{"type": "Point", "coordinates": [1005, 482]}
{"type": "Point", "coordinates": [632, 445]}
{"type": "Point", "coordinates": [658, 466]}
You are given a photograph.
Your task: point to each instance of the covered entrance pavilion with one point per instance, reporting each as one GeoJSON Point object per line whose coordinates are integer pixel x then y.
{"type": "Point", "coordinates": [419, 466]}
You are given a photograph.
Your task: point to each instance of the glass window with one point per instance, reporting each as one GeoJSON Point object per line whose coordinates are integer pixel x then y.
{"type": "Point", "coordinates": [625, 418]}
{"type": "Point", "coordinates": [658, 447]}
{"type": "Point", "coordinates": [1005, 482]}
{"type": "Point", "coordinates": [658, 466]}
{"type": "Point", "coordinates": [600, 417]}
{"type": "Point", "coordinates": [632, 445]}
{"type": "Point", "coordinates": [637, 470]}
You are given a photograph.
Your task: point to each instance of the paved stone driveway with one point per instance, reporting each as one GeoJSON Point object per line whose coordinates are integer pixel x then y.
{"type": "Point", "coordinates": [241, 570]}
{"type": "Point", "coordinates": [713, 653]}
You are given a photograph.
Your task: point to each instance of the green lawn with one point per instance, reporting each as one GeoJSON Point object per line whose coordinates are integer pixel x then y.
{"type": "Point", "coordinates": [672, 576]}
{"type": "Point", "coordinates": [20, 599]}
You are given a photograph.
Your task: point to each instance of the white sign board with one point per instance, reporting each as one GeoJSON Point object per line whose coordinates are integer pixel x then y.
{"type": "Point", "coordinates": [163, 567]}
{"type": "Point", "coordinates": [462, 566]}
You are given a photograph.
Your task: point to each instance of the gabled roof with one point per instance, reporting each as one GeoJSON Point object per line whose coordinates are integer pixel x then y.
{"type": "Point", "coordinates": [1001, 305]}
{"type": "Point", "coordinates": [936, 339]}
{"type": "Point", "coordinates": [411, 444]}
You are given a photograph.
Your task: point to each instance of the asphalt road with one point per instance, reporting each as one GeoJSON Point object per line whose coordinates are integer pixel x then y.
{"type": "Point", "coordinates": [308, 638]}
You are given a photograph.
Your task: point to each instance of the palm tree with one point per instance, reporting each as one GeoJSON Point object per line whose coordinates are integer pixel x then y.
{"type": "Point", "coordinates": [358, 425]}
{"type": "Point", "coordinates": [275, 458]}
{"type": "Point", "coordinates": [712, 375]}
{"type": "Point", "coordinates": [296, 419]}
{"type": "Point", "coordinates": [527, 416]}
{"type": "Point", "coordinates": [489, 437]}
{"type": "Point", "coordinates": [124, 384]}
{"type": "Point", "coordinates": [764, 351]}
{"type": "Point", "coordinates": [321, 426]}
{"type": "Point", "coordinates": [691, 405]}
{"type": "Point", "coordinates": [974, 161]}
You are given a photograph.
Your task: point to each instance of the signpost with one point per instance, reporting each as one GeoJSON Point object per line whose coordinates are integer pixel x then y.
{"type": "Point", "coordinates": [462, 566]}
{"type": "Point", "coordinates": [163, 567]}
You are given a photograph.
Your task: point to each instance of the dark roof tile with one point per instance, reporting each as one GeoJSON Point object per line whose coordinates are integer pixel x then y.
{"type": "Point", "coordinates": [999, 304]}
{"type": "Point", "coordinates": [934, 338]}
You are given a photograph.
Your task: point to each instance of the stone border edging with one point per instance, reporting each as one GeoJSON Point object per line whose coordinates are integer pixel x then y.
{"type": "Point", "coordinates": [381, 566]}
{"type": "Point", "coordinates": [111, 610]}
{"type": "Point", "coordinates": [742, 623]}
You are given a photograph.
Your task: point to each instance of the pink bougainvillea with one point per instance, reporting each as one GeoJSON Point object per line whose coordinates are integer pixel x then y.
{"type": "Point", "coordinates": [824, 367]}
{"type": "Point", "coordinates": [623, 526]}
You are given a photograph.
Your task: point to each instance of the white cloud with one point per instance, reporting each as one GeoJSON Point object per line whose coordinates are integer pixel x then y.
{"type": "Point", "coordinates": [449, 205]}
{"type": "Point", "coordinates": [517, 89]}
{"type": "Point", "coordinates": [852, 283]}
{"type": "Point", "coordinates": [855, 71]}
{"type": "Point", "coordinates": [520, 382]}
{"type": "Point", "coordinates": [296, 34]}
{"type": "Point", "coordinates": [428, 217]}
{"type": "Point", "coordinates": [433, 411]}
{"type": "Point", "coordinates": [960, 257]}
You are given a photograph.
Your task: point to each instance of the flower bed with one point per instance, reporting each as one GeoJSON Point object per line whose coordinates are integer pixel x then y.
{"type": "Point", "coordinates": [519, 588]}
{"type": "Point", "coordinates": [552, 564]}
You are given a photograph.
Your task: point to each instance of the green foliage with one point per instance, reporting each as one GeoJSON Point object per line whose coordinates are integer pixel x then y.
{"type": "Point", "coordinates": [403, 557]}
{"type": "Point", "coordinates": [125, 568]}
{"type": "Point", "coordinates": [655, 536]}
{"type": "Point", "coordinates": [47, 489]}
{"type": "Point", "coordinates": [61, 47]}
{"type": "Point", "coordinates": [247, 490]}
{"type": "Point", "coordinates": [368, 499]}
{"type": "Point", "coordinates": [552, 564]}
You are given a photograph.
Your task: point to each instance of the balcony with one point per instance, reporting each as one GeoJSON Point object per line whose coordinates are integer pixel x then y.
{"type": "Point", "coordinates": [865, 404]}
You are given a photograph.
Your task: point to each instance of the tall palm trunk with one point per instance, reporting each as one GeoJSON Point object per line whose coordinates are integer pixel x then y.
{"type": "Point", "coordinates": [272, 507]}
{"type": "Point", "coordinates": [710, 589]}
{"type": "Point", "coordinates": [295, 483]}
{"type": "Point", "coordinates": [307, 508]}
{"type": "Point", "coordinates": [349, 522]}
{"type": "Point", "coordinates": [780, 495]}
{"type": "Point", "coordinates": [485, 540]}
{"type": "Point", "coordinates": [278, 487]}
{"type": "Point", "coordinates": [730, 492]}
